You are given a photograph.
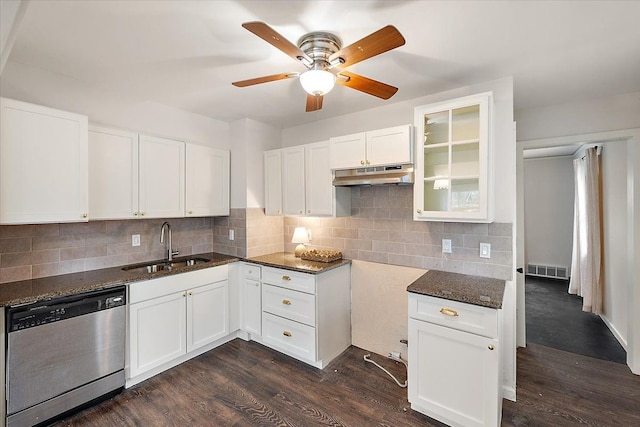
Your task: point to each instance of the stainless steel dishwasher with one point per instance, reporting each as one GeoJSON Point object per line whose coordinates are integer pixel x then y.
{"type": "Point", "coordinates": [63, 353]}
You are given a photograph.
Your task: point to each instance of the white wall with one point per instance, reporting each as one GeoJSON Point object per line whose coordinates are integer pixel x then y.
{"type": "Point", "coordinates": [102, 107]}
{"type": "Point", "coordinates": [249, 140]}
{"type": "Point", "coordinates": [576, 118]}
{"type": "Point", "coordinates": [614, 197]}
{"type": "Point", "coordinates": [548, 204]}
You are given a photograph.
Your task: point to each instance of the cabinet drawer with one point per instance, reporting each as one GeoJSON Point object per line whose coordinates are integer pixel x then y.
{"type": "Point", "coordinates": [289, 304]}
{"type": "Point", "coordinates": [290, 336]}
{"type": "Point", "coordinates": [290, 279]}
{"type": "Point", "coordinates": [457, 315]}
{"type": "Point", "coordinates": [250, 271]}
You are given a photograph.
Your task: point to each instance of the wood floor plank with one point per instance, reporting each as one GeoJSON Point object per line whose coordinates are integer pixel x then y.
{"type": "Point", "coordinates": [246, 384]}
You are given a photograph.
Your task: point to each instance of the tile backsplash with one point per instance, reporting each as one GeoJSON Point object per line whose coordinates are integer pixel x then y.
{"type": "Point", "coordinates": [380, 229]}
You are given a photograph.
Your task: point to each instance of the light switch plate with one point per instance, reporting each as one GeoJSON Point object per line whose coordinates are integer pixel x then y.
{"type": "Point", "coordinates": [135, 240]}
{"type": "Point", "coordinates": [232, 234]}
{"type": "Point", "coordinates": [485, 250]}
{"type": "Point", "coordinates": [446, 246]}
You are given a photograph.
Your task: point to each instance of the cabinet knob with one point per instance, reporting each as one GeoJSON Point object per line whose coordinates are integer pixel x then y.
{"type": "Point", "coordinates": [362, 162]}
{"type": "Point", "coordinates": [448, 311]}
{"type": "Point", "coordinates": [189, 212]}
{"type": "Point", "coordinates": [309, 211]}
{"type": "Point", "coordinates": [368, 162]}
{"type": "Point", "coordinates": [84, 215]}
{"type": "Point", "coordinates": [141, 213]}
{"type": "Point", "coordinates": [135, 214]}
{"type": "Point", "coordinates": [491, 347]}
{"type": "Point", "coordinates": [279, 211]}
{"type": "Point", "coordinates": [419, 210]}
{"type": "Point", "coordinates": [301, 212]}
{"type": "Point", "coordinates": [184, 295]}
{"type": "Point", "coordinates": [286, 278]}
{"type": "Point", "coordinates": [286, 333]}
{"type": "Point", "coordinates": [190, 293]}
{"type": "Point", "coordinates": [286, 302]}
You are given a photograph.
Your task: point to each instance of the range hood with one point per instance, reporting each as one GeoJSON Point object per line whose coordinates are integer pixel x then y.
{"type": "Point", "coordinates": [377, 175]}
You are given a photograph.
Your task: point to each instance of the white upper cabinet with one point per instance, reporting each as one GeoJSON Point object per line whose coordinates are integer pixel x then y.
{"type": "Point", "coordinates": [293, 185]}
{"type": "Point", "coordinates": [374, 148]}
{"type": "Point", "coordinates": [43, 164]}
{"type": "Point", "coordinates": [306, 186]}
{"type": "Point", "coordinates": [207, 181]}
{"type": "Point", "coordinates": [453, 179]}
{"type": "Point", "coordinates": [273, 182]}
{"type": "Point", "coordinates": [113, 174]}
{"type": "Point", "coordinates": [161, 177]}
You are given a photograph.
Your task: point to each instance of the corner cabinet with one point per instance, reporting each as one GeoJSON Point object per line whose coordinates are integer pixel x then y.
{"type": "Point", "coordinates": [43, 164]}
{"type": "Point", "coordinates": [453, 150]}
{"type": "Point", "coordinates": [455, 361]}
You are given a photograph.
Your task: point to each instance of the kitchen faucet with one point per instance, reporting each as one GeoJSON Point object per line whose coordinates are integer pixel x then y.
{"type": "Point", "coordinates": [170, 252]}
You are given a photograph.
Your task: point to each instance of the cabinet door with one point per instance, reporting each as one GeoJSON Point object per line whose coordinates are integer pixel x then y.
{"type": "Point", "coordinates": [207, 181]}
{"type": "Point", "coordinates": [161, 177]}
{"type": "Point", "coordinates": [113, 174]}
{"type": "Point", "coordinates": [389, 146]}
{"type": "Point", "coordinates": [453, 181]}
{"type": "Point", "coordinates": [252, 306]}
{"type": "Point", "coordinates": [348, 151]}
{"type": "Point", "coordinates": [157, 332]}
{"type": "Point", "coordinates": [293, 196]}
{"type": "Point", "coordinates": [43, 164]}
{"type": "Point", "coordinates": [273, 182]}
{"type": "Point", "coordinates": [453, 375]}
{"type": "Point", "coordinates": [208, 314]}
{"type": "Point", "coordinates": [320, 192]}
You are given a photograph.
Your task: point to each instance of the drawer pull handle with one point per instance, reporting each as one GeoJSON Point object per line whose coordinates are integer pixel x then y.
{"type": "Point", "coordinates": [286, 302]}
{"type": "Point", "coordinates": [491, 347]}
{"type": "Point", "coordinates": [448, 311]}
{"type": "Point", "coordinates": [286, 333]}
{"type": "Point", "coordinates": [286, 278]}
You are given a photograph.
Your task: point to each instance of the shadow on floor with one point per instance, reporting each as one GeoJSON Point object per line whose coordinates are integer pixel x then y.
{"type": "Point", "coordinates": [555, 319]}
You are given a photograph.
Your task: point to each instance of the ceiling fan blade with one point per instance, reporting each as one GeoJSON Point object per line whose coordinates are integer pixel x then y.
{"type": "Point", "coordinates": [381, 41]}
{"type": "Point", "coordinates": [314, 103]}
{"type": "Point", "coordinates": [366, 85]}
{"type": "Point", "coordinates": [272, 37]}
{"type": "Point", "coordinates": [264, 79]}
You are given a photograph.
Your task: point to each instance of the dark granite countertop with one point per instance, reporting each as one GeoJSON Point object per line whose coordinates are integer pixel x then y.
{"type": "Point", "coordinates": [475, 290]}
{"type": "Point", "coordinates": [288, 261]}
{"type": "Point", "coordinates": [27, 291]}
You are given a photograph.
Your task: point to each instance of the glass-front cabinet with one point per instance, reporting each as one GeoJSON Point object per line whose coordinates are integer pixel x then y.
{"type": "Point", "coordinates": [452, 160]}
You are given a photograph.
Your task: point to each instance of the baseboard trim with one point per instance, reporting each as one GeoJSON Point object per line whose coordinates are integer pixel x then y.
{"type": "Point", "coordinates": [615, 332]}
{"type": "Point", "coordinates": [509, 393]}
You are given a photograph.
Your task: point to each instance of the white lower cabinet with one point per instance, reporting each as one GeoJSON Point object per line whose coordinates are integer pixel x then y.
{"type": "Point", "coordinates": [250, 298]}
{"type": "Point", "coordinates": [307, 316]}
{"type": "Point", "coordinates": [174, 318]}
{"type": "Point", "coordinates": [454, 374]}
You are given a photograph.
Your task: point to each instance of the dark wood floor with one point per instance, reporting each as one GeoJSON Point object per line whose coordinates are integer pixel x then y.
{"type": "Point", "coordinates": [246, 384]}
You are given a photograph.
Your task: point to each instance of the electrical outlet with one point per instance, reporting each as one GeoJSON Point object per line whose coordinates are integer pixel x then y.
{"type": "Point", "coordinates": [232, 234]}
{"type": "Point", "coordinates": [135, 240]}
{"type": "Point", "coordinates": [309, 235]}
{"type": "Point", "coordinates": [485, 250]}
{"type": "Point", "coordinates": [446, 246]}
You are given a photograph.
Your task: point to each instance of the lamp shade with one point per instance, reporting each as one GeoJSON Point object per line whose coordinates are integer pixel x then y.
{"type": "Point", "coordinates": [317, 82]}
{"type": "Point", "coordinates": [300, 235]}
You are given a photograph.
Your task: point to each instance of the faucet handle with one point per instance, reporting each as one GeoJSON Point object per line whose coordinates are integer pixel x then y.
{"type": "Point", "coordinates": [174, 252]}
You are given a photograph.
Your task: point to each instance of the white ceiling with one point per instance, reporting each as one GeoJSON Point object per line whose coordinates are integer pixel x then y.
{"type": "Point", "coordinates": [185, 54]}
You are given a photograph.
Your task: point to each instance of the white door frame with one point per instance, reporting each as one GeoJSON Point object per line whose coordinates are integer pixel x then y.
{"type": "Point", "coordinates": [632, 137]}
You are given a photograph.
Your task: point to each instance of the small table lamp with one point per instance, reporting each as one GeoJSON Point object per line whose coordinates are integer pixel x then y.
{"type": "Point", "coordinates": [300, 236]}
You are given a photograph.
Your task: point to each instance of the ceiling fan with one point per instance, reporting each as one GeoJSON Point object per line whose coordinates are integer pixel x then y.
{"type": "Point", "coordinates": [324, 57]}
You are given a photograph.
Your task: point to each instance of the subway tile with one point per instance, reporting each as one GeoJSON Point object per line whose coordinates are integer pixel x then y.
{"type": "Point", "coordinates": [382, 213]}
{"type": "Point", "coordinates": [454, 228]}
{"type": "Point", "coordinates": [359, 223]}
{"type": "Point", "coordinates": [371, 256]}
{"type": "Point", "coordinates": [388, 224]}
{"type": "Point", "coordinates": [465, 254]}
{"type": "Point", "coordinates": [67, 254]}
{"type": "Point", "coordinates": [91, 227]}
{"type": "Point", "coordinates": [500, 257]}
{"type": "Point", "coordinates": [479, 229]}
{"type": "Point", "coordinates": [9, 231]}
{"type": "Point", "coordinates": [452, 266]}
{"type": "Point", "coordinates": [365, 234]}
{"type": "Point", "coordinates": [45, 256]}
{"type": "Point", "coordinates": [498, 243]}
{"type": "Point", "coordinates": [14, 274]}
{"type": "Point", "coordinates": [350, 253]}
{"type": "Point", "coordinates": [489, 270]}
{"type": "Point", "coordinates": [423, 250]}
{"type": "Point", "coordinates": [432, 263]}
{"type": "Point", "coordinates": [501, 229]}
{"type": "Point", "coordinates": [348, 233]}
{"type": "Point", "coordinates": [15, 245]}
{"type": "Point", "coordinates": [406, 260]}
{"type": "Point", "coordinates": [105, 262]}
{"type": "Point", "coordinates": [404, 213]}
{"type": "Point", "coordinates": [58, 242]}
{"type": "Point", "coordinates": [366, 245]}
{"type": "Point", "coordinates": [54, 269]}
{"type": "Point", "coordinates": [390, 247]}
{"type": "Point", "coordinates": [15, 259]}
{"type": "Point", "coordinates": [406, 237]}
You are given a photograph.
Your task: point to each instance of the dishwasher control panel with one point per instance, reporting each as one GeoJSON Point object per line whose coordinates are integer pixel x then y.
{"type": "Point", "coordinates": [57, 309]}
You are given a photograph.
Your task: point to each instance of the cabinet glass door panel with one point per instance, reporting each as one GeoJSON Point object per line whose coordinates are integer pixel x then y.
{"type": "Point", "coordinates": [465, 123]}
{"type": "Point", "coordinates": [436, 195]}
{"type": "Point", "coordinates": [465, 195]}
{"type": "Point", "coordinates": [436, 128]}
{"type": "Point", "coordinates": [436, 161]}
{"type": "Point", "coordinates": [465, 160]}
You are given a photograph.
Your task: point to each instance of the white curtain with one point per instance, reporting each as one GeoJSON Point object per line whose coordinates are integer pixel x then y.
{"type": "Point", "coordinates": [586, 260]}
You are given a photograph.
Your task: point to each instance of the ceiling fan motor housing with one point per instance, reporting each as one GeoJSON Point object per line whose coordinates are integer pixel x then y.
{"type": "Point", "coordinates": [319, 46]}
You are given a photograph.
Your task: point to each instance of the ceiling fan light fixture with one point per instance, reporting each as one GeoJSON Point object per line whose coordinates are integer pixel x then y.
{"type": "Point", "coordinates": [317, 82]}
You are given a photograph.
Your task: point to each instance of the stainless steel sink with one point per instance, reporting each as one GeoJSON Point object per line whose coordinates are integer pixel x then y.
{"type": "Point", "coordinates": [155, 266]}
